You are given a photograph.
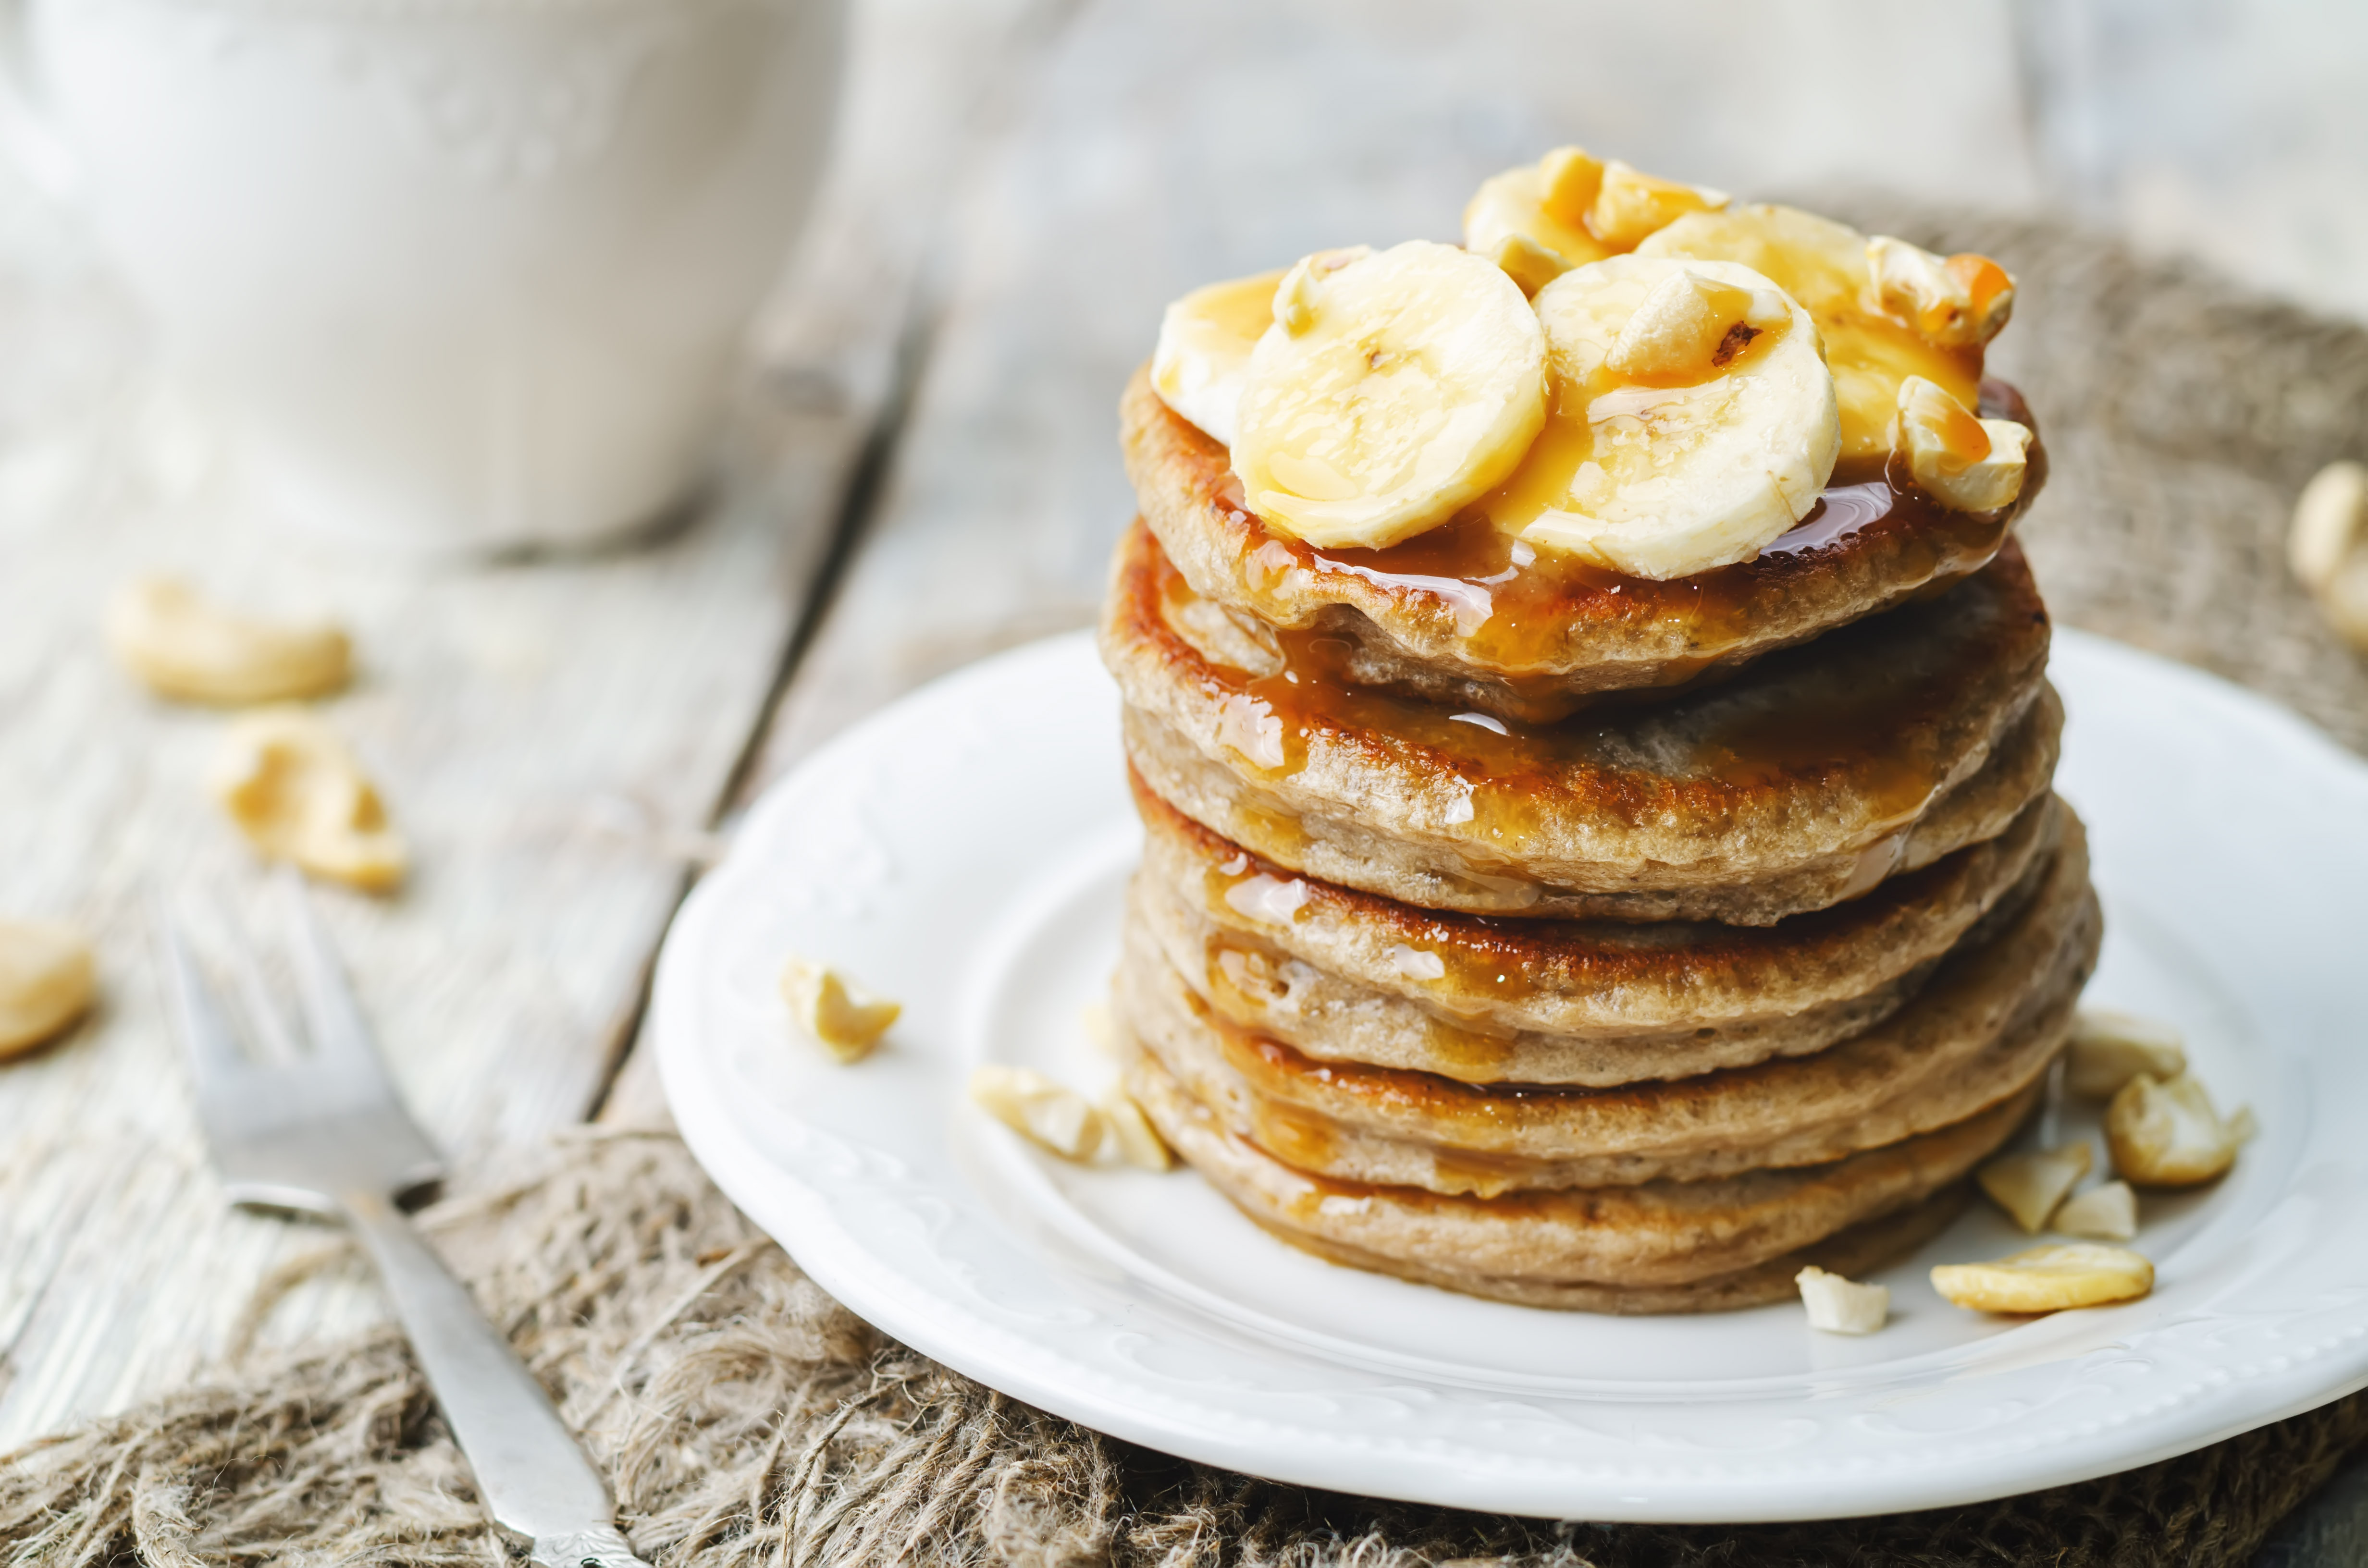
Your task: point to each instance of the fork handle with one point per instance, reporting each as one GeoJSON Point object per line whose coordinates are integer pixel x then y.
{"type": "Point", "coordinates": [534, 1478]}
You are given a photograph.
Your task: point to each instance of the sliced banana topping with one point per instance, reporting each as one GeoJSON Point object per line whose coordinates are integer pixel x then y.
{"type": "Point", "coordinates": [1531, 221]}
{"type": "Point", "coordinates": [1968, 464]}
{"type": "Point", "coordinates": [1718, 438]}
{"type": "Point", "coordinates": [1631, 205]}
{"type": "Point", "coordinates": [1823, 265]}
{"type": "Point", "coordinates": [1954, 302]}
{"type": "Point", "coordinates": [2047, 1279]}
{"type": "Point", "coordinates": [1203, 357]}
{"type": "Point", "coordinates": [2170, 1133]}
{"type": "Point", "coordinates": [1390, 392]}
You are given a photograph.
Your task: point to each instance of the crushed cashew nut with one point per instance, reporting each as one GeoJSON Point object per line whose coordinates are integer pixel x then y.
{"type": "Point", "coordinates": [1137, 1142]}
{"type": "Point", "coordinates": [1838, 1305]}
{"type": "Point", "coordinates": [2107, 1213]}
{"type": "Point", "coordinates": [2028, 1186]}
{"type": "Point", "coordinates": [841, 1017]}
{"type": "Point", "coordinates": [47, 981]}
{"type": "Point", "coordinates": [1952, 301]}
{"type": "Point", "coordinates": [2166, 1132]}
{"type": "Point", "coordinates": [2328, 548]}
{"type": "Point", "coordinates": [298, 794]}
{"type": "Point", "coordinates": [1040, 1109]}
{"type": "Point", "coordinates": [184, 646]}
{"type": "Point", "coordinates": [1967, 463]}
{"type": "Point", "coordinates": [1102, 1027]}
{"type": "Point", "coordinates": [2110, 1048]}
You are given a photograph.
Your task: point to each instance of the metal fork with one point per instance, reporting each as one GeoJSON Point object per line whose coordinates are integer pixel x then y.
{"type": "Point", "coordinates": [323, 1132]}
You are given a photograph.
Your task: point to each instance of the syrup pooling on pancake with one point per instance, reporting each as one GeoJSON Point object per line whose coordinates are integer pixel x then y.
{"type": "Point", "coordinates": [1799, 719]}
{"type": "Point", "coordinates": [1512, 601]}
{"type": "Point", "coordinates": [1522, 616]}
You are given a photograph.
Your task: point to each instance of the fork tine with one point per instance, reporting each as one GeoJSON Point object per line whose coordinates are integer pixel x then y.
{"type": "Point", "coordinates": [263, 1015]}
{"type": "Point", "coordinates": [215, 1061]}
{"type": "Point", "coordinates": [332, 1014]}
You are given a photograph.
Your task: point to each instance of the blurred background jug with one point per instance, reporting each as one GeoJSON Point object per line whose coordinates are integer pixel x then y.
{"type": "Point", "coordinates": [461, 276]}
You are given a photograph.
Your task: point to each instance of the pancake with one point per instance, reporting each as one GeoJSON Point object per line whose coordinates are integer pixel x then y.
{"type": "Point", "coordinates": [1988, 1024]}
{"type": "Point", "coordinates": [1453, 614]}
{"type": "Point", "coordinates": [1856, 1253]}
{"type": "Point", "coordinates": [1345, 975]}
{"type": "Point", "coordinates": [1658, 1234]}
{"type": "Point", "coordinates": [1802, 782]}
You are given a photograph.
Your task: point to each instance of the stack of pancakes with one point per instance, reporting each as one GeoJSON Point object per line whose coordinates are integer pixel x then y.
{"type": "Point", "coordinates": [1726, 937]}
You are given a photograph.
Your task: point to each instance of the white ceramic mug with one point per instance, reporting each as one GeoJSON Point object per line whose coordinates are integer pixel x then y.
{"type": "Point", "coordinates": [462, 274]}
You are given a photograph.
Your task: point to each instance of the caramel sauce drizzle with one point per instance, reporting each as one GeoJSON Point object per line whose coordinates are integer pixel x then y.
{"type": "Point", "coordinates": [1849, 716]}
{"type": "Point", "coordinates": [1512, 605]}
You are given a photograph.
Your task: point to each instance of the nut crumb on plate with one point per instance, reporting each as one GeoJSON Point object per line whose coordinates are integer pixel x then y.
{"type": "Point", "coordinates": [1837, 1305]}
{"type": "Point", "coordinates": [844, 1020]}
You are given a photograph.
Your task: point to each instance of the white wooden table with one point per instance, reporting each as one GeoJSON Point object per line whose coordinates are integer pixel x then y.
{"type": "Point", "coordinates": [926, 452]}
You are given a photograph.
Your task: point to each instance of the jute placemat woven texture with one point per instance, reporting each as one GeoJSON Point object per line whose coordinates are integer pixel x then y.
{"type": "Point", "coordinates": [746, 1419]}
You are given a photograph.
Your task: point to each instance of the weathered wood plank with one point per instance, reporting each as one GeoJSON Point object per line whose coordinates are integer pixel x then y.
{"type": "Point", "coordinates": [554, 736]}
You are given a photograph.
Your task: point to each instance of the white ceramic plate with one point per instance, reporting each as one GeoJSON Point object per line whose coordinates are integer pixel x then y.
{"type": "Point", "coordinates": [964, 851]}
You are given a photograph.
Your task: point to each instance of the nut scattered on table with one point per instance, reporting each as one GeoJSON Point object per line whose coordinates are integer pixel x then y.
{"type": "Point", "coordinates": [2028, 1186]}
{"type": "Point", "coordinates": [298, 794]}
{"type": "Point", "coordinates": [2107, 1213]}
{"type": "Point", "coordinates": [2109, 1048]}
{"type": "Point", "coordinates": [2328, 548]}
{"type": "Point", "coordinates": [2168, 1132]}
{"type": "Point", "coordinates": [1137, 1141]}
{"type": "Point", "coordinates": [844, 1020]}
{"type": "Point", "coordinates": [1838, 1305]}
{"type": "Point", "coordinates": [47, 980]}
{"type": "Point", "coordinates": [1040, 1109]}
{"type": "Point", "coordinates": [185, 646]}
{"type": "Point", "coordinates": [2047, 1279]}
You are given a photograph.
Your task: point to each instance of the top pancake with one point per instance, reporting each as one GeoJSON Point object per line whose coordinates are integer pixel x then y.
{"type": "Point", "coordinates": [1802, 782]}
{"type": "Point", "coordinates": [1455, 615]}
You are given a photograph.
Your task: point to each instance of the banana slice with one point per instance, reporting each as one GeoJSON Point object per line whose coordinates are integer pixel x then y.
{"type": "Point", "coordinates": [2047, 1279]}
{"type": "Point", "coordinates": [1969, 464]}
{"type": "Point", "coordinates": [1823, 266]}
{"type": "Point", "coordinates": [1532, 220]}
{"type": "Point", "coordinates": [1203, 357]}
{"type": "Point", "coordinates": [1693, 418]}
{"type": "Point", "coordinates": [1391, 390]}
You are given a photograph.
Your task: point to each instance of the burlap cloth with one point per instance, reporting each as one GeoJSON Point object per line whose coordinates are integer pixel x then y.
{"type": "Point", "coordinates": [746, 1418]}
